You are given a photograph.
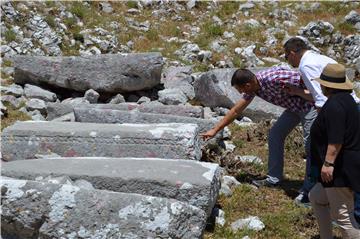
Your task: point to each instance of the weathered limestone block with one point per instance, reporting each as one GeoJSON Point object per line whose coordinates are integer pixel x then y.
{"type": "Point", "coordinates": [95, 115]}
{"type": "Point", "coordinates": [43, 210]}
{"type": "Point", "coordinates": [112, 73]}
{"type": "Point", "coordinates": [56, 110]}
{"type": "Point", "coordinates": [213, 89]}
{"type": "Point", "coordinates": [71, 139]}
{"type": "Point", "coordinates": [194, 182]}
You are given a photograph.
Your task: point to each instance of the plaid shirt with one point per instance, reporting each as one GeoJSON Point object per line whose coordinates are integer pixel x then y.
{"type": "Point", "coordinates": [272, 83]}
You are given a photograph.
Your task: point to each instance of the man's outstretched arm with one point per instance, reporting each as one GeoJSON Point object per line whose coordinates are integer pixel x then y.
{"type": "Point", "coordinates": [228, 118]}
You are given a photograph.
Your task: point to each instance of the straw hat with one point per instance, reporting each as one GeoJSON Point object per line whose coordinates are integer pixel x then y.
{"type": "Point", "coordinates": [334, 76]}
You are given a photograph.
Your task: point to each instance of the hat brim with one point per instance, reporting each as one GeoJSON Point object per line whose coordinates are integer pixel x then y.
{"type": "Point", "coordinates": [347, 85]}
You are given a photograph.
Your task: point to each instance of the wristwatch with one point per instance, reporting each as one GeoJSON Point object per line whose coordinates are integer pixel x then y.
{"type": "Point", "coordinates": [327, 164]}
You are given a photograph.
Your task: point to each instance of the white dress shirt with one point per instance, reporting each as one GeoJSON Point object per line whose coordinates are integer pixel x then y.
{"type": "Point", "coordinates": [311, 66]}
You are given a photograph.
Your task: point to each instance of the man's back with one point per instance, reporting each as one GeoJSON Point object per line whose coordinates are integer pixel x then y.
{"type": "Point", "coordinates": [272, 83]}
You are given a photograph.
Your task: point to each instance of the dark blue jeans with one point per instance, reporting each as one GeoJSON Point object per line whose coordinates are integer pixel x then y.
{"type": "Point", "coordinates": [357, 206]}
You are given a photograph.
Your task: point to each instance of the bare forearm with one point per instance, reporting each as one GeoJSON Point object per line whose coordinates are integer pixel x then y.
{"type": "Point", "coordinates": [305, 94]}
{"type": "Point", "coordinates": [232, 114]}
{"type": "Point", "coordinates": [332, 152]}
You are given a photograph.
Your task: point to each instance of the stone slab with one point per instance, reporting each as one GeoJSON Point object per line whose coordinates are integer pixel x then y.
{"type": "Point", "coordinates": [194, 182]}
{"type": "Point", "coordinates": [43, 210]}
{"type": "Point", "coordinates": [56, 110]}
{"type": "Point", "coordinates": [111, 73]}
{"type": "Point", "coordinates": [24, 140]}
{"type": "Point", "coordinates": [96, 115]}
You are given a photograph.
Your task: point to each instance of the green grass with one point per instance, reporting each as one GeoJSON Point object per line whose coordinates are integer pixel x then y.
{"type": "Point", "coordinates": [274, 206]}
{"type": "Point", "coordinates": [50, 20]}
{"type": "Point", "coordinates": [131, 4]}
{"type": "Point", "coordinates": [12, 116]}
{"type": "Point", "coordinates": [10, 36]}
{"type": "Point", "coordinates": [78, 9]}
{"type": "Point", "coordinates": [70, 22]}
{"type": "Point", "coordinates": [212, 30]}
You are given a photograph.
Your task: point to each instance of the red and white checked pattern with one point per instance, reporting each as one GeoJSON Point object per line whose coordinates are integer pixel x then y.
{"type": "Point", "coordinates": [272, 83]}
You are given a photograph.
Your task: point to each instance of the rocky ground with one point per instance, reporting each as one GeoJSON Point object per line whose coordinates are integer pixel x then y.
{"type": "Point", "coordinates": [194, 38]}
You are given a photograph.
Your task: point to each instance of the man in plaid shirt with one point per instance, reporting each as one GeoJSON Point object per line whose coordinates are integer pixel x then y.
{"type": "Point", "coordinates": [276, 85]}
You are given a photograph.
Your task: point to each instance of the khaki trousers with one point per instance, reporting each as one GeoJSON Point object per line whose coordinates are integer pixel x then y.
{"type": "Point", "coordinates": [334, 204]}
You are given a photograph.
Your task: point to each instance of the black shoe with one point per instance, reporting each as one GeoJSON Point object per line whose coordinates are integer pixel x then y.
{"type": "Point", "coordinates": [264, 183]}
{"type": "Point", "coordinates": [357, 218]}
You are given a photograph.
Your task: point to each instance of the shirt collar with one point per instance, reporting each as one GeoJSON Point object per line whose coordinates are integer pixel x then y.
{"type": "Point", "coordinates": [307, 52]}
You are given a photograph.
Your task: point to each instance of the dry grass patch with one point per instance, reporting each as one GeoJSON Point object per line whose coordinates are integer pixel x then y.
{"type": "Point", "coordinates": [274, 206]}
{"type": "Point", "coordinates": [12, 116]}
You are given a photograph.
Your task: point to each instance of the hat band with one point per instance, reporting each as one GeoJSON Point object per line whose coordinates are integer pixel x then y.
{"type": "Point", "coordinates": [332, 79]}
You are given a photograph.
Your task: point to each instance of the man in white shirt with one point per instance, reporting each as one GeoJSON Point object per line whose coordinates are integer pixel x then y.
{"type": "Point", "coordinates": [311, 65]}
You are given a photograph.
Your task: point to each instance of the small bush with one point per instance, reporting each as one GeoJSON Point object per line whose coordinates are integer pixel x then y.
{"type": "Point", "coordinates": [70, 22]}
{"type": "Point", "coordinates": [50, 3]}
{"type": "Point", "coordinates": [78, 9]}
{"type": "Point", "coordinates": [345, 27]}
{"type": "Point", "coordinates": [6, 63]}
{"type": "Point", "coordinates": [152, 35]}
{"type": "Point", "coordinates": [213, 30]}
{"type": "Point", "coordinates": [50, 20]}
{"type": "Point", "coordinates": [78, 37]}
{"type": "Point", "coordinates": [131, 4]}
{"type": "Point", "coordinates": [10, 36]}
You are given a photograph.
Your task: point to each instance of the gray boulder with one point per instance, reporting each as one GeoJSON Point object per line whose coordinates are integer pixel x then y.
{"type": "Point", "coordinates": [179, 78]}
{"type": "Point", "coordinates": [106, 7]}
{"type": "Point", "coordinates": [213, 89]}
{"type": "Point", "coordinates": [32, 91]}
{"type": "Point", "coordinates": [353, 17]}
{"type": "Point", "coordinates": [172, 96]}
{"type": "Point", "coordinates": [117, 99]}
{"type": "Point", "coordinates": [111, 73]}
{"type": "Point", "coordinates": [92, 96]}
{"type": "Point", "coordinates": [12, 100]}
{"type": "Point", "coordinates": [13, 89]}
{"type": "Point", "coordinates": [33, 209]}
{"type": "Point", "coordinates": [36, 104]}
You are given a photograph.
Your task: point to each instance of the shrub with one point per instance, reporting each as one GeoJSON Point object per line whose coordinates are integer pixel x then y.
{"type": "Point", "coordinates": [50, 20]}
{"type": "Point", "coordinates": [131, 4]}
{"type": "Point", "coordinates": [78, 9]}
{"type": "Point", "coordinates": [213, 30]}
{"type": "Point", "coordinates": [79, 37]}
{"type": "Point", "coordinates": [70, 22]}
{"type": "Point", "coordinates": [10, 36]}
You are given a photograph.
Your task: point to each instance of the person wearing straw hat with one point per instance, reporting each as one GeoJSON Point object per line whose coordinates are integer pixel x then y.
{"type": "Point", "coordinates": [335, 155]}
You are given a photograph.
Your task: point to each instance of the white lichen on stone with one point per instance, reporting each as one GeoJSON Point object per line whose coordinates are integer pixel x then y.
{"type": "Point", "coordinates": [138, 209]}
{"type": "Point", "coordinates": [83, 232]}
{"type": "Point", "coordinates": [13, 189]}
{"type": "Point", "coordinates": [117, 137]}
{"type": "Point", "coordinates": [186, 186]}
{"type": "Point", "coordinates": [160, 220]}
{"type": "Point", "coordinates": [93, 134]}
{"type": "Point", "coordinates": [209, 175]}
{"type": "Point", "coordinates": [176, 208]}
{"type": "Point", "coordinates": [61, 200]}
{"type": "Point", "coordinates": [112, 229]}
{"type": "Point", "coordinates": [184, 130]}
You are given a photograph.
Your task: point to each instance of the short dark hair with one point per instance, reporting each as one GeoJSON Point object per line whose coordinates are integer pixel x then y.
{"type": "Point", "coordinates": [241, 77]}
{"type": "Point", "coordinates": [295, 44]}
